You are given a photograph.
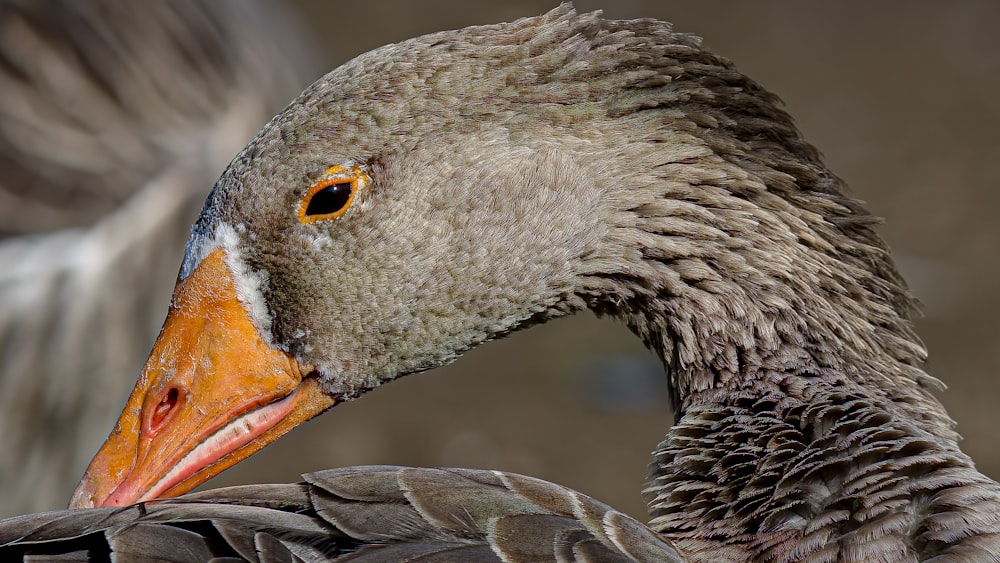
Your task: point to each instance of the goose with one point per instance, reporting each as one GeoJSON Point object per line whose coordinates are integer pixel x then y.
{"type": "Point", "coordinates": [435, 194]}
{"type": "Point", "coordinates": [104, 163]}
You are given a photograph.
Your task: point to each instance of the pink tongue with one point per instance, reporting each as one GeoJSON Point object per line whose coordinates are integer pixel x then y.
{"type": "Point", "coordinates": [230, 437]}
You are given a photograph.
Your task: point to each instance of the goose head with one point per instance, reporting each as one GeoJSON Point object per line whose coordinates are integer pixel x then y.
{"type": "Point", "coordinates": [432, 195]}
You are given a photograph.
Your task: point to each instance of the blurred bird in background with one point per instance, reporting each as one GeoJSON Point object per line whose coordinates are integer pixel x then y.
{"type": "Point", "coordinates": [116, 117]}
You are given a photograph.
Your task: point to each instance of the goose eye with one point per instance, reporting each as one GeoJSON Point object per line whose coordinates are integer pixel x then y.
{"type": "Point", "coordinates": [332, 195]}
{"type": "Point", "coordinates": [329, 200]}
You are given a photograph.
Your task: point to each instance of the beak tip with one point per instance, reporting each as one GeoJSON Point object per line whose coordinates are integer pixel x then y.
{"type": "Point", "coordinates": [81, 497]}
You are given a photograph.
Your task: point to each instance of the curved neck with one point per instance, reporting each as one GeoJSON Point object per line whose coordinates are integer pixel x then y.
{"type": "Point", "coordinates": [739, 264]}
{"type": "Point", "coordinates": [796, 376]}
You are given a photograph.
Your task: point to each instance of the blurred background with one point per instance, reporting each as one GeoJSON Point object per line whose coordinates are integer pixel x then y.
{"type": "Point", "coordinates": [901, 97]}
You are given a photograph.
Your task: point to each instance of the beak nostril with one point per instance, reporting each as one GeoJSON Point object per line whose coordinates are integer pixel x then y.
{"type": "Point", "coordinates": [161, 413]}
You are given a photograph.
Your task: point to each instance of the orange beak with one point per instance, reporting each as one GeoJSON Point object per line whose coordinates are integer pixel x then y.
{"type": "Point", "coordinates": [211, 394]}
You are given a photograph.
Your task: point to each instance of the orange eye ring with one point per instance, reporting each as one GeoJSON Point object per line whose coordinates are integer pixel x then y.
{"type": "Point", "coordinates": [332, 194]}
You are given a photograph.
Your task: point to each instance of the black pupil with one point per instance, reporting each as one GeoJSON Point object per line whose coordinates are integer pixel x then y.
{"type": "Point", "coordinates": [330, 199]}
